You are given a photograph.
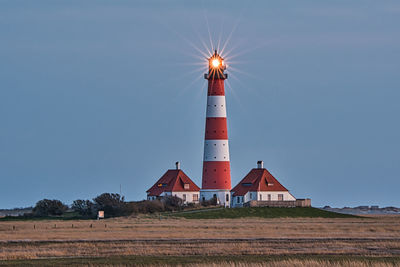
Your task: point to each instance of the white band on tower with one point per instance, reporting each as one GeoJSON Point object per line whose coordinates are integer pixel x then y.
{"type": "Point", "coordinates": [216, 107]}
{"type": "Point", "coordinates": [216, 150]}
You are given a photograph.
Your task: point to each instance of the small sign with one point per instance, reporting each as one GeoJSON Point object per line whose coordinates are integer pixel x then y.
{"type": "Point", "coordinates": [100, 214]}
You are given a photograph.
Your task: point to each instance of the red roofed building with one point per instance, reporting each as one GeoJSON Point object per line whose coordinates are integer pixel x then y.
{"type": "Point", "coordinates": [175, 183]}
{"type": "Point", "coordinates": [259, 185]}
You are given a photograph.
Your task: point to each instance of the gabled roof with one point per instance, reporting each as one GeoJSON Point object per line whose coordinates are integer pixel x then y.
{"type": "Point", "coordinates": [257, 180]}
{"type": "Point", "coordinates": [173, 181]}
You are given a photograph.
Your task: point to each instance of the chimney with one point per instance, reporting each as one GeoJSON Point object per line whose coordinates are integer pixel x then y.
{"type": "Point", "coordinates": [260, 164]}
{"type": "Point", "coordinates": [178, 165]}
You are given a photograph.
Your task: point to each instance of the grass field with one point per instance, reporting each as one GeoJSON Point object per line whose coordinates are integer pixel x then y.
{"type": "Point", "coordinates": [243, 240]}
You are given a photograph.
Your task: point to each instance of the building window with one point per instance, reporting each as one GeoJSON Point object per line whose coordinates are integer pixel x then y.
{"type": "Point", "coordinates": [251, 196]}
{"type": "Point", "coordinates": [227, 197]}
{"type": "Point", "coordinates": [186, 186]}
{"type": "Point", "coordinates": [238, 199]}
{"type": "Point", "coordinates": [269, 197]}
{"type": "Point", "coordinates": [260, 196]}
{"type": "Point", "coordinates": [184, 197]}
{"type": "Point", "coordinates": [280, 197]}
{"type": "Point", "coordinates": [195, 197]}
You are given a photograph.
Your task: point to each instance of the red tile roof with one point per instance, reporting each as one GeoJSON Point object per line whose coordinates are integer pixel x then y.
{"type": "Point", "coordinates": [172, 181]}
{"type": "Point", "coordinates": [257, 180]}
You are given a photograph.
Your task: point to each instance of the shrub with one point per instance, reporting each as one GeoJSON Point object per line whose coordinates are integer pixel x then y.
{"type": "Point", "coordinates": [168, 203]}
{"type": "Point", "coordinates": [172, 203]}
{"type": "Point", "coordinates": [210, 202]}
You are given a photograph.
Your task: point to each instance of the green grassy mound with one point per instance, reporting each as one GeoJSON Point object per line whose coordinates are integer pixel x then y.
{"type": "Point", "coordinates": [261, 212]}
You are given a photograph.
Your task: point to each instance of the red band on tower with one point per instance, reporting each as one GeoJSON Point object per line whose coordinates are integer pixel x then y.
{"type": "Point", "coordinates": [216, 128]}
{"type": "Point", "coordinates": [216, 87]}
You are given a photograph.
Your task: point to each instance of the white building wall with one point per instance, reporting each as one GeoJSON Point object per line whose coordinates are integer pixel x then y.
{"type": "Point", "coordinates": [223, 196]}
{"type": "Point", "coordinates": [189, 196]}
{"type": "Point", "coordinates": [263, 196]}
{"type": "Point", "coordinates": [238, 201]}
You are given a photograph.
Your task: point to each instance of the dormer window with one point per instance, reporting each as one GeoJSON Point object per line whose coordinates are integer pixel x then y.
{"type": "Point", "coordinates": [270, 184]}
{"type": "Point", "coordinates": [186, 186]}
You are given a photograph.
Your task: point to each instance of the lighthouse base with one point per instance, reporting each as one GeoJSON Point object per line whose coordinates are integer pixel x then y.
{"type": "Point", "coordinates": [222, 195]}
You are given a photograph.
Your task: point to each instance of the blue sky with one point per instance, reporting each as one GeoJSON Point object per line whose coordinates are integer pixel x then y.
{"type": "Point", "coordinates": [94, 94]}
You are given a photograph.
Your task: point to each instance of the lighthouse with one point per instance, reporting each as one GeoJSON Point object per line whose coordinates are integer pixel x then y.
{"type": "Point", "coordinates": [216, 179]}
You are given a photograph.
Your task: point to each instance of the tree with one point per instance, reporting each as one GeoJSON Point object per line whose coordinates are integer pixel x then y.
{"type": "Point", "coordinates": [84, 207]}
{"type": "Point", "coordinates": [112, 204]}
{"type": "Point", "coordinates": [46, 207]}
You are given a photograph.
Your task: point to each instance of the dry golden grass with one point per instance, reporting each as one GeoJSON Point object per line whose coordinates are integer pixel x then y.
{"type": "Point", "coordinates": [28, 250]}
{"type": "Point", "coordinates": [147, 228]}
{"type": "Point", "coordinates": [378, 236]}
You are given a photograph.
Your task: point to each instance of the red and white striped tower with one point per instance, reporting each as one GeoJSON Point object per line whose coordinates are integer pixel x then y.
{"type": "Point", "coordinates": [216, 180]}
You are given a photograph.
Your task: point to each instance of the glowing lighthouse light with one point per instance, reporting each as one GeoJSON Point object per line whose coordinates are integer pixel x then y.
{"type": "Point", "coordinates": [216, 179]}
{"type": "Point", "coordinates": [215, 63]}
